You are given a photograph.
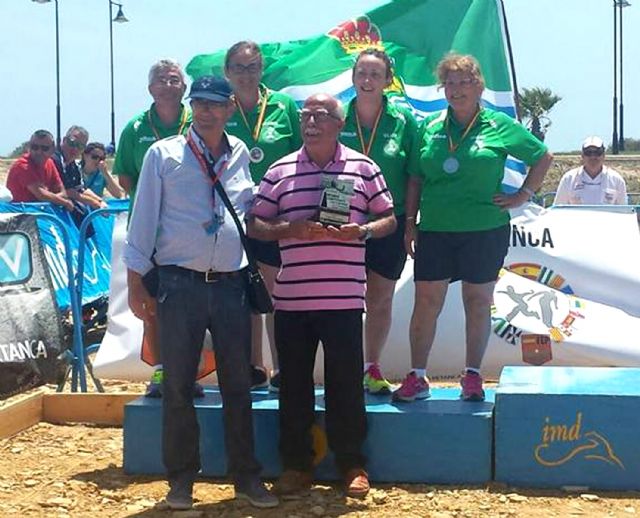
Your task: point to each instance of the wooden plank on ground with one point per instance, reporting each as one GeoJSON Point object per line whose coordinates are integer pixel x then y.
{"type": "Point", "coordinates": [20, 415]}
{"type": "Point", "coordinates": [105, 409]}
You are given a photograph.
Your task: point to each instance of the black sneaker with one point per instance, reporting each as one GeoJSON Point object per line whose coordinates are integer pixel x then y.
{"type": "Point", "coordinates": [274, 383]}
{"type": "Point", "coordinates": [259, 377]}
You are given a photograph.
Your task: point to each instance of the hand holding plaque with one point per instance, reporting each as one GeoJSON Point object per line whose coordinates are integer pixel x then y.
{"type": "Point", "coordinates": [335, 203]}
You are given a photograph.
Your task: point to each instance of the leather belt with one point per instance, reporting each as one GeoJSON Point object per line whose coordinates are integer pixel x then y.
{"type": "Point", "coordinates": [208, 277]}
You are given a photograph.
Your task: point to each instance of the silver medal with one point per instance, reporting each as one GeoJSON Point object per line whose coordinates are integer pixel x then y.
{"type": "Point", "coordinates": [451, 165]}
{"type": "Point", "coordinates": [256, 154]}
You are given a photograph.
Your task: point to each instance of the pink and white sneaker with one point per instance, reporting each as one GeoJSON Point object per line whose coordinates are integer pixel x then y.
{"type": "Point", "coordinates": [412, 388]}
{"type": "Point", "coordinates": [471, 387]}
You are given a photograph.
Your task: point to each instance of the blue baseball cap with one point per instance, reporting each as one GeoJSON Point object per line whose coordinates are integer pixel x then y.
{"type": "Point", "coordinates": [212, 88]}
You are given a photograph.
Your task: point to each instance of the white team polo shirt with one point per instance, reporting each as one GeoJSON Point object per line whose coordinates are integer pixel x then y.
{"type": "Point", "coordinates": [578, 188]}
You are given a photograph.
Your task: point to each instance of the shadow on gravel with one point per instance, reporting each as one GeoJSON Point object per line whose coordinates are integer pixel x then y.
{"type": "Point", "coordinates": [114, 477]}
{"type": "Point", "coordinates": [320, 501]}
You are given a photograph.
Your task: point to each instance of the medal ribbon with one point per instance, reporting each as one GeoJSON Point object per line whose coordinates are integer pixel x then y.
{"type": "Point", "coordinates": [183, 121]}
{"type": "Point", "coordinates": [367, 148]}
{"type": "Point", "coordinates": [255, 132]}
{"type": "Point", "coordinates": [452, 147]}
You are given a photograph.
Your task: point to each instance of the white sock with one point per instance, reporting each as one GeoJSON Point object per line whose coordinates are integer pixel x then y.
{"type": "Point", "coordinates": [157, 367]}
{"type": "Point", "coordinates": [421, 373]}
{"type": "Point", "coordinates": [471, 369]}
{"type": "Point", "coordinates": [367, 365]}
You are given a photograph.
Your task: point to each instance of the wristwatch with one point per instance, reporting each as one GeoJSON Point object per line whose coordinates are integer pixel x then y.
{"type": "Point", "coordinates": [368, 233]}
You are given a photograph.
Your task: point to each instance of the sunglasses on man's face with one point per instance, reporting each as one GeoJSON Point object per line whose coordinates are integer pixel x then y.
{"type": "Point", "coordinates": [75, 144]}
{"type": "Point", "coordinates": [97, 157]}
{"type": "Point", "coordinates": [593, 152]}
{"type": "Point", "coordinates": [40, 147]}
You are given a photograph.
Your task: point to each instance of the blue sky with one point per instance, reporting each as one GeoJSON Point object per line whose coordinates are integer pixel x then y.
{"type": "Point", "coordinates": [564, 45]}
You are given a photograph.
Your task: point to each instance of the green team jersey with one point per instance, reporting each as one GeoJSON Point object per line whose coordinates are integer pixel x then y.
{"type": "Point", "coordinates": [279, 134]}
{"type": "Point", "coordinates": [391, 148]}
{"type": "Point", "coordinates": [462, 200]}
{"type": "Point", "coordinates": [138, 135]}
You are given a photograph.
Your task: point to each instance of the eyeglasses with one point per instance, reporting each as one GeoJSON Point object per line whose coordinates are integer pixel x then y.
{"type": "Point", "coordinates": [463, 83]}
{"type": "Point", "coordinates": [40, 147]}
{"type": "Point", "coordinates": [318, 115]}
{"type": "Point", "coordinates": [593, 152]}
{"type": "Point", "coordinates": [74, 143]}
{"type": "Point", "coordinates": [251, 68]}
{"type": "Point", "coordinates": [206, 104]}
{"type": "Point", "coordinates": [97, 157]}
{"type": "Point", "coordinates": [171, 81]}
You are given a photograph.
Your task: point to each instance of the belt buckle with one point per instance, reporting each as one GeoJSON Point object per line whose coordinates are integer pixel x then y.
{"type": "Point", "coordinates": [209, 276]}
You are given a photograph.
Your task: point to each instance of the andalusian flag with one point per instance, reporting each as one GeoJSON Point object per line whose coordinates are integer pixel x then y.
{"type": "Point", "coordinates": [416, 34]}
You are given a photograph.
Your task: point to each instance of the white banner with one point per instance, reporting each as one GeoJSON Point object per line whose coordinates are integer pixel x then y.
{"type": "Point", "coordinates": [574, 301]}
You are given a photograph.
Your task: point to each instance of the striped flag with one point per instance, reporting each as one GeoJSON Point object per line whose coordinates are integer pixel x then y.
{"type": "Point", "coordinates": [416, 34]}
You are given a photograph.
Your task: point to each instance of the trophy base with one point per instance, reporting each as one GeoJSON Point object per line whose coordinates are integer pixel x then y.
{"type": "Point", "coordinates": [333, 217]}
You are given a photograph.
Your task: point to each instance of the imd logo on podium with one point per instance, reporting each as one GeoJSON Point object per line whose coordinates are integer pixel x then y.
{"type": "Point", "coordinates": [562, 442]}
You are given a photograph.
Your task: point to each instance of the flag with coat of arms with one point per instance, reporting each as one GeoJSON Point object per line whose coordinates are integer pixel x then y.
{"type": "Point", "coordinates": [416, 34]}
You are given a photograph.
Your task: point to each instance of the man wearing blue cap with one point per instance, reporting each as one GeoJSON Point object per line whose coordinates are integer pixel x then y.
{"type": "Point", "coordinates": [180, 220]}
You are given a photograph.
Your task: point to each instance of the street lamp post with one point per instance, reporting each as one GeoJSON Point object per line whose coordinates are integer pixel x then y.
{"type": "Point", "coordinates": [57, 69]}
{"type": "Point", "coordinates": [614, 139]}
{"type": "Point", "coordinates": [120, 18]}
{"type": "Point", "coordinates": [621, 5]}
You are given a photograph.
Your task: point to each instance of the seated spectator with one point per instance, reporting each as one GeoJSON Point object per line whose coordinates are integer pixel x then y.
{"type": "Point", "coordinates": [593, 183]}
{"type": "Point", "coordinates": [95, 175]}
{"type": "Point", "coordinates": [66, 161]}
{"type": "Point", "coordinates": [34, 177]}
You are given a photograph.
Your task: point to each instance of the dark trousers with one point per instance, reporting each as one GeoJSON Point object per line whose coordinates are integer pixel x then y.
{"type": "Point", "coordinates": [297, 336]}
{"type": "Point", "coordinates": [187, 307]}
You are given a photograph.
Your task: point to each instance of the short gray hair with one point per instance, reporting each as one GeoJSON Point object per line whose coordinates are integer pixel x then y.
{"type": "Point", "coordinates": [78, 129]}
{"type": "Point", "coordinates": [339, 111]}
{"type": "Point", "coordinates": [161, 66]}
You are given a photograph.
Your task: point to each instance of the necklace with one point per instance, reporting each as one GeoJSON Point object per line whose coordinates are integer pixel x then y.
{"type": "Point", "coordinates": [183, 121]}
{"type": "Point", "coordinates": [451, 164]}
{"type": "Point", "coordinates": [367, 148]}
{"type": "Point", "coordinates": [256, 154]}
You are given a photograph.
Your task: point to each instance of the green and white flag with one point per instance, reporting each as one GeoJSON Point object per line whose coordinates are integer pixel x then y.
{"type": "Point", "coordinates": [416, 34]}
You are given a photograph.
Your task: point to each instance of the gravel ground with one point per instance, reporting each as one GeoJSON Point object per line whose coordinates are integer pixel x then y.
{"type": "Point", "coordinates": [76, 471]}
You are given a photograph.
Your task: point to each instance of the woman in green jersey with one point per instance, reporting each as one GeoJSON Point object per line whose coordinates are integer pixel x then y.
{"type": "Point", "coordinates": [385, 132]}
{"type": "Point", "coordinates": [268, 123]}
{"type": "Point", "coordinates": [463, 230]}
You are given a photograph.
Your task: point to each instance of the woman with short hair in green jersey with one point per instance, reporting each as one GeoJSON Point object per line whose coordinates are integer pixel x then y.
{"type": "Point", "coordinates": [385, 132]}
{"type": "Point", "coordinates": [268, 123]}
{"type": "Point", "coordinates": [463, 230]}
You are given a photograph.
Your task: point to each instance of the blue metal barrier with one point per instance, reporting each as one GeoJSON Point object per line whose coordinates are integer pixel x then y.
{"type": "Point", "coordinates": [76, 311]}
{"type": "Point", "coordinates": [80, 352]}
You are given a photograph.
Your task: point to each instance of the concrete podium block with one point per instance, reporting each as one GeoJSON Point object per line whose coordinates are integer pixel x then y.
{"type": "Point", "coordinates": [440, 440]}
{"type": "Point", "coordinates": [568, 427]}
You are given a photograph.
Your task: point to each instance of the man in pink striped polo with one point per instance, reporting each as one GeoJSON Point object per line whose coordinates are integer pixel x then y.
{"type": "Point", "coordinates": [321, 204]}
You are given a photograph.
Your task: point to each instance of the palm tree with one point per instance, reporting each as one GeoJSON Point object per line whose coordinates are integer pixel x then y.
{"type": "Point", "coordinates": [534, 105]}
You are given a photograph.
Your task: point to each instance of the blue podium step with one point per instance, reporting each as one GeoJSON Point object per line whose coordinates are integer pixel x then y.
{"type": "Point", "coordinates": [563, 426]}
{"type": "Point", "coordinates": [441, 440]}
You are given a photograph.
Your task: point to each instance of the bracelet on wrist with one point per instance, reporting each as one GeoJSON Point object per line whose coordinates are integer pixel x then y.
{"type": "Point", "coordinates": [529, 192]}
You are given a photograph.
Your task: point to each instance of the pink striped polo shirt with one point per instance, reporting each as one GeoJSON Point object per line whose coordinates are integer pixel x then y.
{"type": "Point", "coordinates": [327, 274]}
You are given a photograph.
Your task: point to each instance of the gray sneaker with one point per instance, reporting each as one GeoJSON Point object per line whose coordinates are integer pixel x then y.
{"type": "Point", "coordinates": [254, 492]}
{"type": "Point", "coordinates": [179, 496]}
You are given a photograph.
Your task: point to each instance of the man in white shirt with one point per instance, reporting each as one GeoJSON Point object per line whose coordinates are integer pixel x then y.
{"type": "Point", "coordinates": [180, 220]}
{"type": "Point", "coordinates": [593, 183]}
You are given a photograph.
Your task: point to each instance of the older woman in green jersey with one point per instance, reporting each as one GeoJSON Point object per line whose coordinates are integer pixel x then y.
{"type": "Point", "coordinates": [268, 123]}
{"type": "Point", "coordinates": [463, 229]}
{"type": "Point", "coordinates": [385, 132]}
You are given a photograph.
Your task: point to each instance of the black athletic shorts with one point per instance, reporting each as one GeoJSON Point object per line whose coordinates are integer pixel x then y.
{"type": "Point", "coordinates": [474, 257]}
{"type": "Point", "coordinates": [386, 256]}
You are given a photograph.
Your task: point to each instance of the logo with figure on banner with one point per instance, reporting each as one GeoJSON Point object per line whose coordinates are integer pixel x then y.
{"type": "Point", "coordinates": [15, 258]}
{"type": "Point", "coordinates": [532, 317]}
{"type": "Point", "coordinates": [562, 442]}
